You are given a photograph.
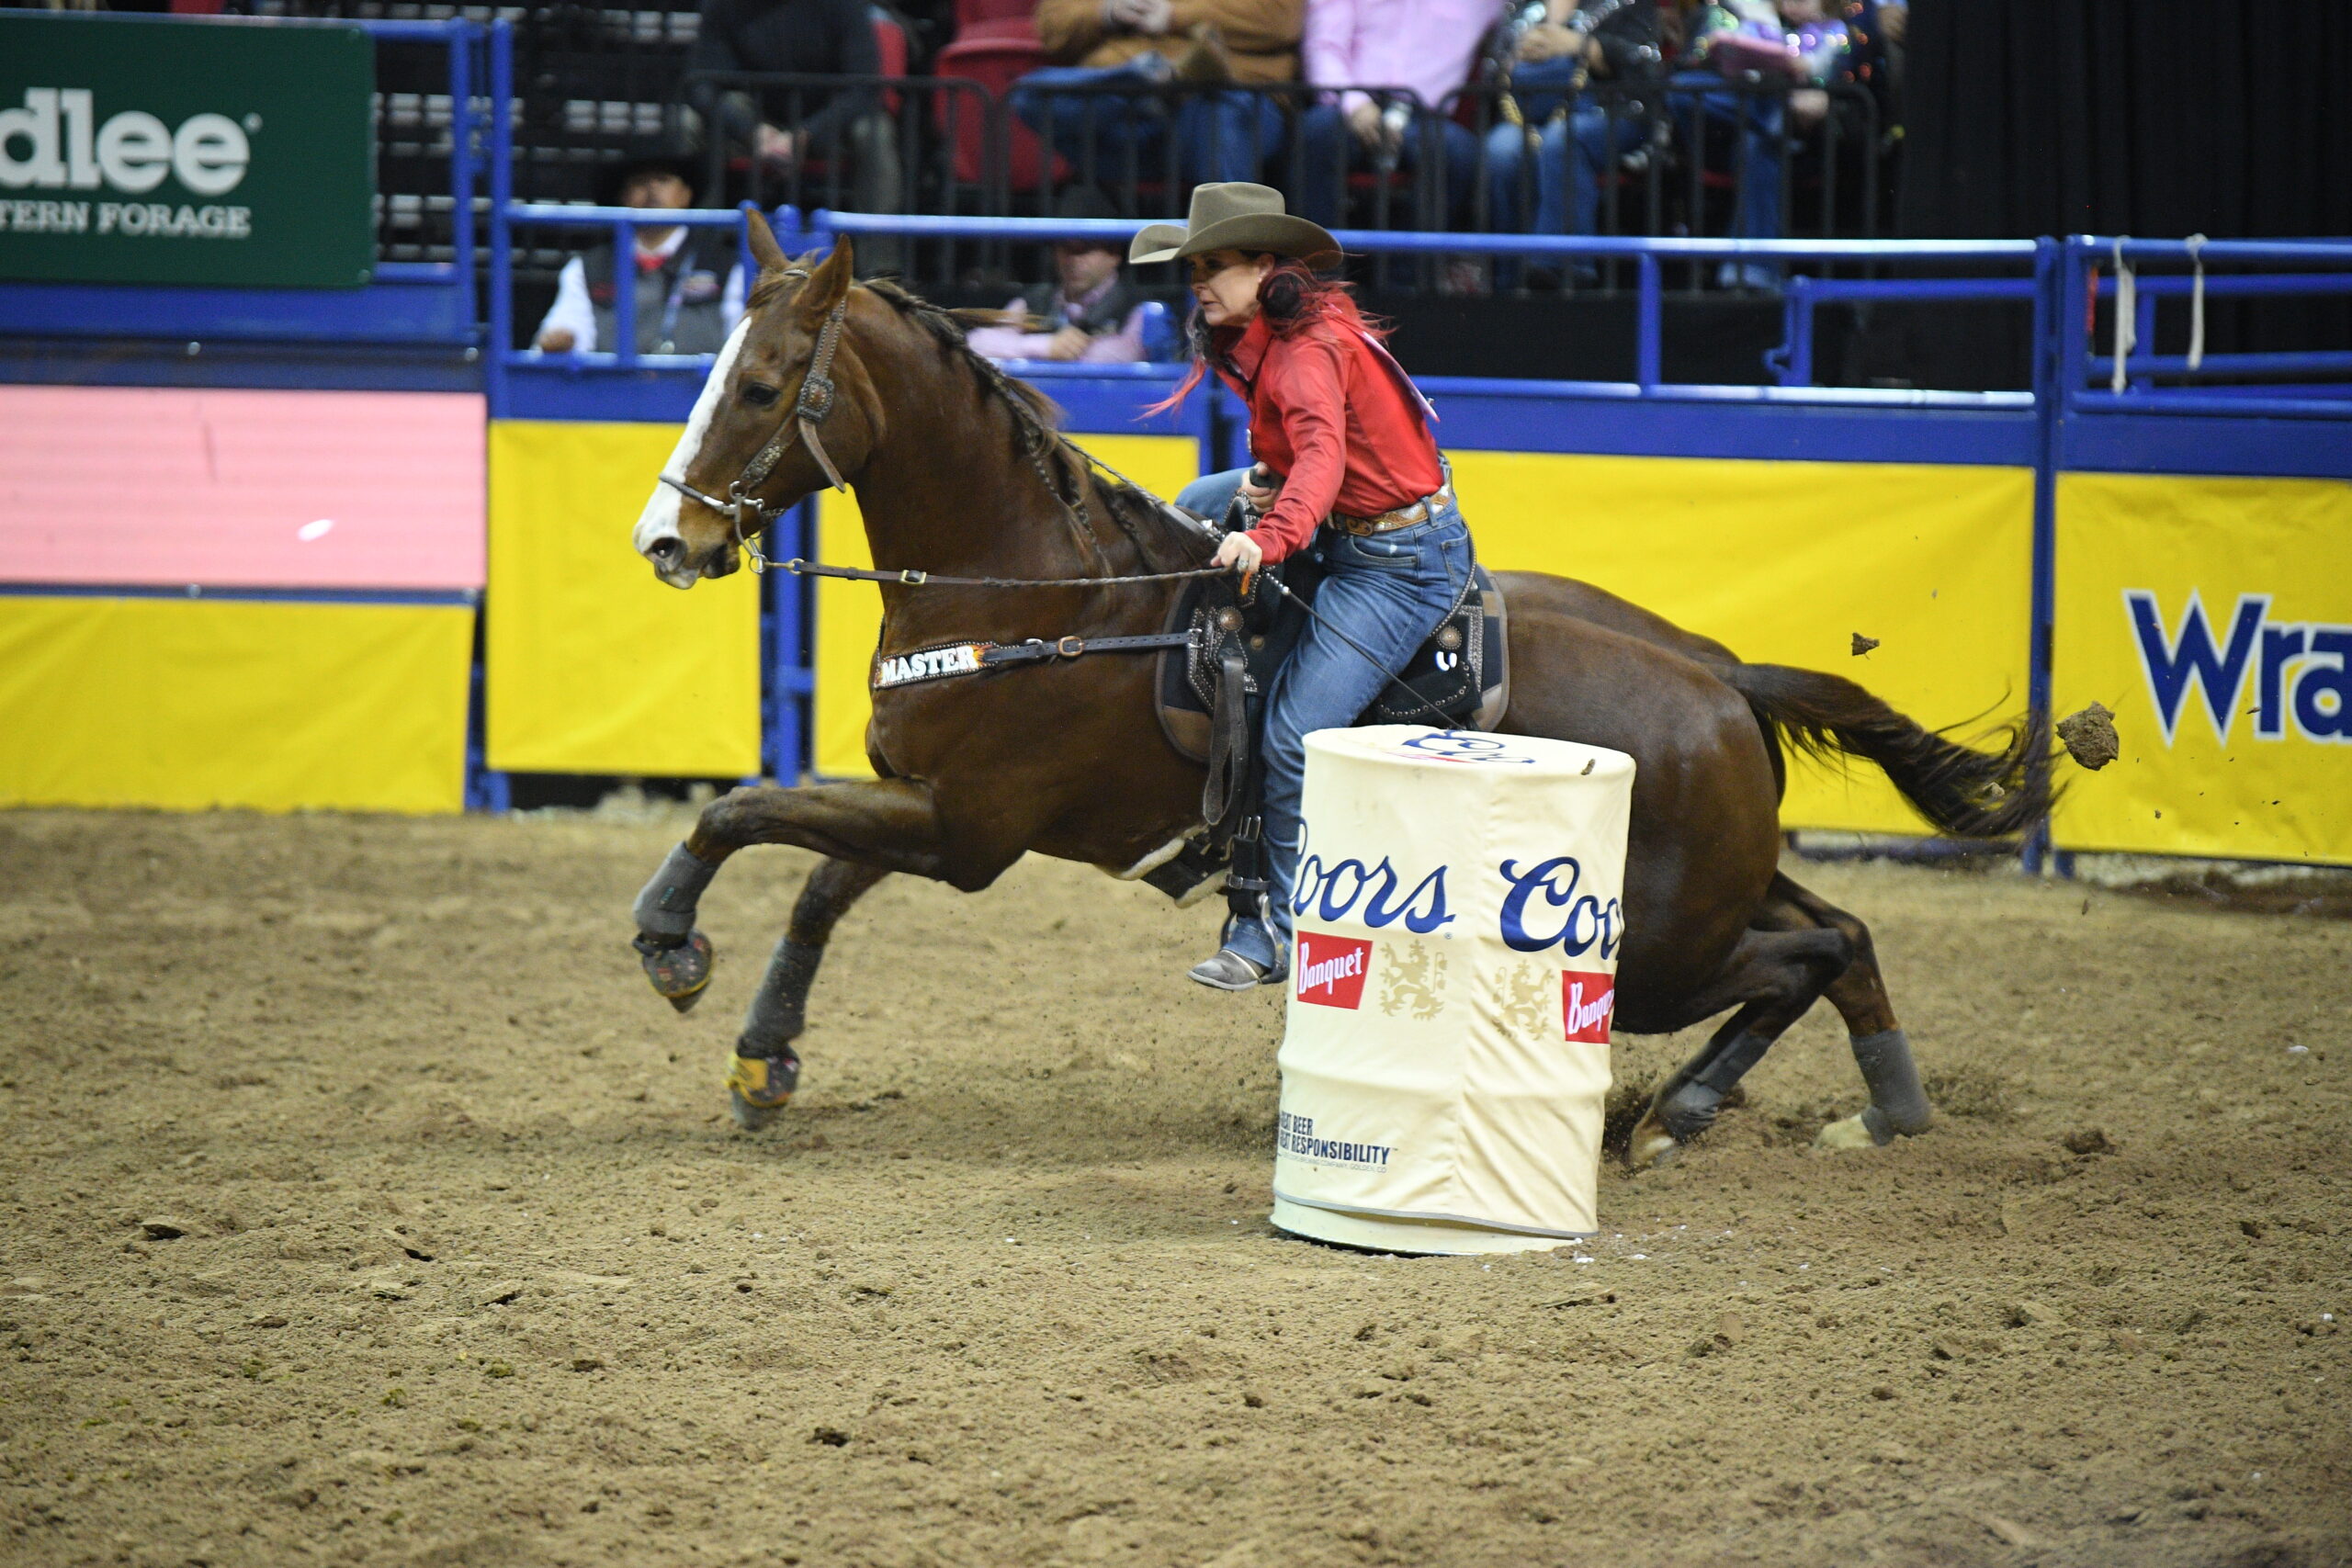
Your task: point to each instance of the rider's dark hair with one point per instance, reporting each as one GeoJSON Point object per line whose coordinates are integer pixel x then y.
{"type": "Point", "coordinates": [1291, 298]}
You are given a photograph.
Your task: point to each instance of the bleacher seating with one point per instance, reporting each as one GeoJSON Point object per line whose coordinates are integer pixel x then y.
{"type": "Point", "coordinates": [996, 52]}
{"type": "Point", "coordinates": [594, 83]}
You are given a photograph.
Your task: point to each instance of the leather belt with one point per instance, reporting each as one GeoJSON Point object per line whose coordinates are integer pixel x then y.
{"type": "Point", "coordinates": [1421, 510]}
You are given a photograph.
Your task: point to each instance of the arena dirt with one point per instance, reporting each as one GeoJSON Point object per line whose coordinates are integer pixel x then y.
{"type": "Point", "coordinates": [364, 1205]}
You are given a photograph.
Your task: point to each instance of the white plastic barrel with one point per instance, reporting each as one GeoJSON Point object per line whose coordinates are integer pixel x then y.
{"type": "Point", "coordinates": [1445, 1057]}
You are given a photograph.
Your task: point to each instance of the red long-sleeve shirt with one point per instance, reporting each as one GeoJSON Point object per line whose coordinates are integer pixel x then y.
{"type": "Point", "coordinates": [1329, 412]}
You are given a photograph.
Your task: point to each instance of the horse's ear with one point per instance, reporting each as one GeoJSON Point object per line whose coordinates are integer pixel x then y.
{"type": "Point", "coordinates": [765, 250]}
{"type": "Point", "coordinates": [829, 285]}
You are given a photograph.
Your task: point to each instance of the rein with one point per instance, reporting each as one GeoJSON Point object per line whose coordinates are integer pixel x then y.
{"type": "Point", "coordinates": [808, 410]}
{"type": "Point", "coordinates": [914, 579]}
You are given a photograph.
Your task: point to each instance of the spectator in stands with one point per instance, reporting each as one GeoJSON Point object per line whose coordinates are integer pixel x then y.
{"type": "Point", "coordinates": [1889, 23]}
{"type": "Point", "coordinates": [788, 129]}
{"type": "Point", "coordinates": [682, 306]}
{"type": "Point", "coordinates": [1096, 44]}
{"type": "Point", "coordinates": [1089, 312]}
{"type": "Point", "coordinates": [1578, 142]}
{"type": "Point", "coordinates": [1759, 44]}
{"type": "Point", "coordinates": [1426, 47]}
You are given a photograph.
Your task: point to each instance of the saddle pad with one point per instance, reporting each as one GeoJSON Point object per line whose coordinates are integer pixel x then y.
{"type": "Point", "coordinates": [1463, 670]}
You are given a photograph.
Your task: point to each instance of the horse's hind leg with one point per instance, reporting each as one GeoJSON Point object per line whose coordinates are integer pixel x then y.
{"type": "Point", "coordinates": [766, 1069]}
{"type": "Point", "coordinates": [1779, 968]}
{"type": "Point", "coordinates": [1898, 1104]}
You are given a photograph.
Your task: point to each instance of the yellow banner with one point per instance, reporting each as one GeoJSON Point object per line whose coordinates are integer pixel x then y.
{"type": "Point", "coordinates": [1783, 562]}
{"type": "Point", "coordinates": [188, 704]}
{"type": "Point", "coordinates": [849, 615]}
{"type": "Point", "coordinates": [2214, 617]}
{"type": "Point", "coordinates": [594, 665]}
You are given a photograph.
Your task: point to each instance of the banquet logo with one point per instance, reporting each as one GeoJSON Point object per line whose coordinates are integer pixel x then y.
{"type": "Point", "coordinates": [1587, 1001]}
{"type": "Point", "coordinates": [2299, 670]}
{"type": "Point", "coordinates": [1329, 970]}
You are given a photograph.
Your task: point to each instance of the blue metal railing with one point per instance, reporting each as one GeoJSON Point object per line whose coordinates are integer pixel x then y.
{"type": "Point", "coordinates": [2082, 287]}
{"type": "Point", "coordinates": [1650, 255]}
{"type": "Point", "coordinates": [2072, 267]}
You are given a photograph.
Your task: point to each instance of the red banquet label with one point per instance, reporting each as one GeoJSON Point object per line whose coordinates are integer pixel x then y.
{"type": "Point", "coordinates": [1587, 1000]}
{"type": "Point", "coordinates": [1328, 970]}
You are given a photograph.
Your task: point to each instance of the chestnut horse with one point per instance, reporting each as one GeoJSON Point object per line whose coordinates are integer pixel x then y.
{"type": "Point", "coordinates": [959, 472]}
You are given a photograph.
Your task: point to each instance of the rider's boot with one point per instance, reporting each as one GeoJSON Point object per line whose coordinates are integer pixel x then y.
{"type": "Point", "coordinates": [1228, 971]}
{"type": "Point", "coordinates": [1248, 955]}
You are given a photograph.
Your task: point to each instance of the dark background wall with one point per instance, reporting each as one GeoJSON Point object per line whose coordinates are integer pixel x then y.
{"type": "Point", "coordinates": [2160, 118]}
{"type": "Point", "coordinates": [2163, 117]}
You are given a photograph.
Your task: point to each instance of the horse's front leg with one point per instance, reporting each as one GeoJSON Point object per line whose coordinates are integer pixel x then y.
{"type": "Point", "coordinates": [864, 831]}
{"type": "Point", "coordinates": [888, 824]}
{"type": "Point", "coordinates": [766, 1069]}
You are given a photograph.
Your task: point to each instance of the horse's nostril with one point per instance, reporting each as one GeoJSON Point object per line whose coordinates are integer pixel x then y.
{"type": "Point", "coordinates": [666, 552]}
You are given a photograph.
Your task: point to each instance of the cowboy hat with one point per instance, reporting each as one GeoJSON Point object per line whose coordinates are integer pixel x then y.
{"type": "Point", "coordinates": [652, 156]}
{"type": "Point", "coordinates": [1235, 216]}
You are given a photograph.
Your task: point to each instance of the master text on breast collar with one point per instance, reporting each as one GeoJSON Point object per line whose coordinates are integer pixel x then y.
{"type": "Point", "coordinates": [928, 664]}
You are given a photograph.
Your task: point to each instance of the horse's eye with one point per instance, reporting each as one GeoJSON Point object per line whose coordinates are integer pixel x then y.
{"type": "Point", "coordinates": [759, 394]}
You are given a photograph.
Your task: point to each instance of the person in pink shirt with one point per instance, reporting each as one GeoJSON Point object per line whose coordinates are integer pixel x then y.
{"type": "Point", "coordinates": [1426, 48]}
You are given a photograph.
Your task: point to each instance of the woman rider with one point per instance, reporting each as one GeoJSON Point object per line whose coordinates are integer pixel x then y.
{"type": "Point", "coordinates": [1347, 471]}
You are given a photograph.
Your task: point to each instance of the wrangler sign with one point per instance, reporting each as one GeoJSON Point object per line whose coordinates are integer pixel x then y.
{"type": "Point", "coordinates": [194, 153]}
{"type": "Point", "coordinates": [2213, 616]}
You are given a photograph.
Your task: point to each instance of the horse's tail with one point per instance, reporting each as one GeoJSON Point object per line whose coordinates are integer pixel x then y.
{"type": "Point", "coordinates": [1967, 793]}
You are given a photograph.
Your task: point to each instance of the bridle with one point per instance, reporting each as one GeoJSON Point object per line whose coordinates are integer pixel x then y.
{"type": "Point", "coordinates": [816, 401]}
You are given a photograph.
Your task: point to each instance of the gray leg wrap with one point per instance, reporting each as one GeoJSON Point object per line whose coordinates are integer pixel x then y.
{"type": "Point", "coordinates": [1689, 1107]}
{"type": "Point", "coordinates": [1897, 1103]}
{"type": "Point", "coordinates": [779, 1008]}
{"type": "Point", "coordinates": [665, 910]}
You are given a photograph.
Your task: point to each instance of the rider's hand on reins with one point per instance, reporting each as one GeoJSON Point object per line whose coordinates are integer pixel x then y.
{"type": "Point", "coordinates": [1239, 552]}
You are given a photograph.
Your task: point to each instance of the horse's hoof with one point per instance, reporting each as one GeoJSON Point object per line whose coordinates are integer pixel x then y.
{"type": "Point", "coordinates": [679, 974]}
{"type": "Point", "coordinates": [1651, 1147]}
{"type": "Point", "coordinates": [759, 1088]}
{"type": "Point", "coordinates": [1853, 1132]}
{"type": "Point", "coordinates": [749, 1117]}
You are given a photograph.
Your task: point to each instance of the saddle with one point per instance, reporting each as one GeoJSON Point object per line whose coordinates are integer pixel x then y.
{"type": "Point", "coordinates": [1211, 696]}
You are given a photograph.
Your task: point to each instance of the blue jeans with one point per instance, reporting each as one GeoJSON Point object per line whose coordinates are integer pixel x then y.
{"type": "Point", "coordinates": [1219, 136]}
{"type": "Point", "coordinates": [1328, 149]}
{"type": "Point", "coordinates": [1212, 495]}
{"type": "Point", "coordinates": [1387, 594]}
{"type": "Point", "coordinates": [1573, 156]}
{"type": "Point", "coordinates": [1755, 120]}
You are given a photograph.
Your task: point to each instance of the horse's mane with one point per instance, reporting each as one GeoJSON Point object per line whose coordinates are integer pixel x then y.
{"type": "Point", "coordinates": [1037, 418]}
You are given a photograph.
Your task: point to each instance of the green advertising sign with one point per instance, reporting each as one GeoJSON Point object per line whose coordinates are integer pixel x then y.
{"type": "Point", "coordinates": [198, 153]}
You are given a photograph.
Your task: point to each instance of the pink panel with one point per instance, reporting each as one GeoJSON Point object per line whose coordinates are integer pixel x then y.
{"type": "Point", "coordinates": [241, 489]}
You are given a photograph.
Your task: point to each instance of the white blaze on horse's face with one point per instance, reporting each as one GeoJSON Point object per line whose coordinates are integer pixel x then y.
{"type": "Point", "coordinates": [658, 537]}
